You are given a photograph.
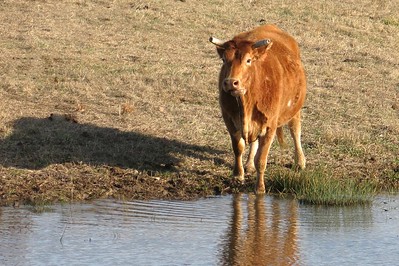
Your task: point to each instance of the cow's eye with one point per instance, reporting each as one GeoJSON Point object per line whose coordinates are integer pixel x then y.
{"type": "Point", "coordinates": [249, 61]}
{"type": "Point", "coordinates": [223, 60]}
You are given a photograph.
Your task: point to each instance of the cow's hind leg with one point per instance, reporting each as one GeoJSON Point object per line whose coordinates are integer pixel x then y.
{"type": "Point", "coordinates": [238, 144]}
{"type": "Point", "coordinates": [265, 143]}
{"type": "Point", "coordinates": [283, 145]}
{"type": "Point", "coordinates": [280, 137]}
{"type": "Point", "coordinates": [295, 129]}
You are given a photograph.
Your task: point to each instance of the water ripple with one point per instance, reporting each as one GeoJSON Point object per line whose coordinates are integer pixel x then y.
{"type": "Point", "coordinates": [230, 230]}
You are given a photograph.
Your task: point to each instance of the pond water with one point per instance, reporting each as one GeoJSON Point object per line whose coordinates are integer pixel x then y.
{"type": "Point", "coordinates": [228, 230]}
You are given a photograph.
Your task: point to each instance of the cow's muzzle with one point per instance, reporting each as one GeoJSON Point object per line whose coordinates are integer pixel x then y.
{"type": "Point", "coordinates": [233, 86]}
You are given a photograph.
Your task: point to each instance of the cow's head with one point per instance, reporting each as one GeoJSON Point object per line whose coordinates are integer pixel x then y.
{"type": "Point", "coordinates": [239, 59]}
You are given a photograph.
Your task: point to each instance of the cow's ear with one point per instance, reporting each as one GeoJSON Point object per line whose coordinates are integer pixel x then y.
{"type": "Point", "coordinates": [261, 47]}
{"type": "Point", "coordinates": [220, 51]}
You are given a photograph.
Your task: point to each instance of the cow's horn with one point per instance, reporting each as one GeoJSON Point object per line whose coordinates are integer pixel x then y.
{"type": "Point", "coordinates": [216, 41]}
{"type": "Point", "coordinates": [261, 43]}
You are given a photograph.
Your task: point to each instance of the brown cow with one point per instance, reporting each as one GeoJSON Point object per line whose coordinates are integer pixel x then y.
{"type": "Point", "coordinates": [262, 86]}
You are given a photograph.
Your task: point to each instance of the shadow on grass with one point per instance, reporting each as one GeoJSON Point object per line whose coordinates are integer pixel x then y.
{"type": "Point", "coordinates": [36, 143]}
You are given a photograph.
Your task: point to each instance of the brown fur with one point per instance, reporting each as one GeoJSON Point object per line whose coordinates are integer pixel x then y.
{"type": "Point", "coordinates": [261, 89]}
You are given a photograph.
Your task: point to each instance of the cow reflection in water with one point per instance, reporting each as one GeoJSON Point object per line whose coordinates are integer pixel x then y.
{"type": "Point", "coordinates": [268, 237]}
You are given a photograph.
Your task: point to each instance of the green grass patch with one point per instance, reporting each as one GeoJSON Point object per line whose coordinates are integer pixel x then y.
{"type": "Point", "coordinates": [319, 188]}
{"type": "Point", "coordinates": [391, 22]}
{"type": "Point", "coordinates": [393, 174]}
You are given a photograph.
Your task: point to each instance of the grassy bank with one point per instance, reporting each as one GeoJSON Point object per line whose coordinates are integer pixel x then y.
{"type": "Point", "coordinates": [120, 99]}
{"type": "Point", "coordinates": [318, 187]}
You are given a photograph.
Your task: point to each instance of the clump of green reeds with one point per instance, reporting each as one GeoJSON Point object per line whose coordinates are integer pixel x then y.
{"type": "Point", "coordinates": [317, 187]}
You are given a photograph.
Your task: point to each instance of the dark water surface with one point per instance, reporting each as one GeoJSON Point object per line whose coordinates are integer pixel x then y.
{"type": "Point", "coordinates": [229, 230]}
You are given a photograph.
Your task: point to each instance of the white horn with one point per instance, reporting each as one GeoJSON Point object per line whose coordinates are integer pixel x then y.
{"type": "Point", "coordinates": [260, 43]}
{"type": "Point", "coordinates": [216, 41]}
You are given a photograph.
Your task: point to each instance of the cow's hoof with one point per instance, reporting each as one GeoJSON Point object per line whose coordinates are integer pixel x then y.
{"type": "Point", "coordinates": [239, 179]}
{"type": "Point", "coordinates": [300, 164]}
{"type": "Point", "coordinates": [260, 190]}
{"type": "Point", "coordinates": [250, 169]}
{"type": "Point", "coordinates": [299, 167]}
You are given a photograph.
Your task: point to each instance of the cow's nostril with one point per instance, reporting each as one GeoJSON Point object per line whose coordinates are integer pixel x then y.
{"type": "Point", "coordinates": [231, 84]}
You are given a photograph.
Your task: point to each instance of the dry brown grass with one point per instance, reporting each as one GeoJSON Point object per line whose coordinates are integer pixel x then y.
{"type": "Point", "coordinates": [132, 89]}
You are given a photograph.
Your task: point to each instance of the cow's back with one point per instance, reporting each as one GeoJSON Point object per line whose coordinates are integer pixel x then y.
{"type": "Point", "coordinates": [283, 43]}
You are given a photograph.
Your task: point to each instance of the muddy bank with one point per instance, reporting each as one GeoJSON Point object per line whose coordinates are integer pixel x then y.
{"type": "Point", "coordinates": [75, 183]}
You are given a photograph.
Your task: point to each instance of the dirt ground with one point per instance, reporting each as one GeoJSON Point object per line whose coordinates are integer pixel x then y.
{"type": "Point", "coordinates": [119, 98]}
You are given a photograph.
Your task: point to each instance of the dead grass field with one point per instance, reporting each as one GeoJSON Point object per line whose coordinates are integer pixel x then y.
{"type": "Point", "coordinates": [119, 98]}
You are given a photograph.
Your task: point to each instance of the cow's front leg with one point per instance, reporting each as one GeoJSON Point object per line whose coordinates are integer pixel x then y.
{"type": "Point", "coordinates": [250, 164]}
{"type": "Point", "coordinates": [238, 144]}
{"type": "Point", "coordinates": [265, 143]}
